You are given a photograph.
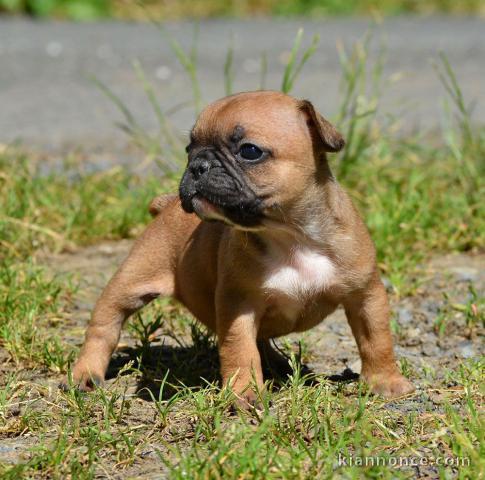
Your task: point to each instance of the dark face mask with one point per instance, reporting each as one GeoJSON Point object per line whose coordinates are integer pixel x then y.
{"type": "Point", "coordinates": [216, 176]}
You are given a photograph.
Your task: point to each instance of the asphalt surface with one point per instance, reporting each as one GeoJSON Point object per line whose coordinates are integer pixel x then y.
{"type": "Point", "coordinates": [48, 101]}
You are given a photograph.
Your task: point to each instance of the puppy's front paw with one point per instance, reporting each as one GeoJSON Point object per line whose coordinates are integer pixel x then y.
{"type": "Point", "coordinates": [392, 386]}
{"type": "Point", "coordinates": [83, 379]}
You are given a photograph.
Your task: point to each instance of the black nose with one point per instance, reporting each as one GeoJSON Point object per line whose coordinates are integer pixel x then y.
{"type": "Point", "coordinates": [199, 167]}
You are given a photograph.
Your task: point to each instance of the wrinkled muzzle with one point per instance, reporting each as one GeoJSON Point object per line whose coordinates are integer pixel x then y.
{"type": "Point", "coordinates": [220, 182]}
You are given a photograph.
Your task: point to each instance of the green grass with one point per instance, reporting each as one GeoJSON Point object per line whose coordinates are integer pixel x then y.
{"type": "Point", "coordinates": [420, 196]}
{"type": "Point", "coordinates": [94, 9]}
{"type": "Point", "coordinates": [68, 206]}
{"type": "Point", "coordinates": [302, 435]}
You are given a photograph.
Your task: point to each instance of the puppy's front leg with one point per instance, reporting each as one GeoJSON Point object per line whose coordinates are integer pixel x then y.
{"type": "Point", "coordinates": [368, 314]}
{"type": "Point", "coordinates": [237, 326]}
{"type": "Point", "coordinates": [143, 276]}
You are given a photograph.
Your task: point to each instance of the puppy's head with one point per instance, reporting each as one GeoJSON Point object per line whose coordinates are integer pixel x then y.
{"type": "Point", "coordinates": [252, 155]}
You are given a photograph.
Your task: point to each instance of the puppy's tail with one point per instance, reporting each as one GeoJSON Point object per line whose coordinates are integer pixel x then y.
{"type": "Point", "coordinates": [159, 203]}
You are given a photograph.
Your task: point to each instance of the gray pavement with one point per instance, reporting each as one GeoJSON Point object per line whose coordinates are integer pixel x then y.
{"type": "Point", "coordinates": [48, 101]}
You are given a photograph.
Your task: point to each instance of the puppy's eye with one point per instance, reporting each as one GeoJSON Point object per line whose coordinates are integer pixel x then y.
{"type": "Point", "coordinates": [248, 151]}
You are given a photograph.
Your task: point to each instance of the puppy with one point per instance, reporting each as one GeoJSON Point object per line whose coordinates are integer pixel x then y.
{"type": "Point", "coordinates": [275, 246]}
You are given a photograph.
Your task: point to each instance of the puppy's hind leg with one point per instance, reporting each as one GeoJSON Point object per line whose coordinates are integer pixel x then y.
{"type": "Point", "coordinates": [145, 275]}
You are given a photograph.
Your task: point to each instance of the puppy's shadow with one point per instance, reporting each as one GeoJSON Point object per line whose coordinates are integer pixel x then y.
{"type": "Point", "coordinates": [197, 365]}
{"type": "Point", "coordinates": [169, 366]}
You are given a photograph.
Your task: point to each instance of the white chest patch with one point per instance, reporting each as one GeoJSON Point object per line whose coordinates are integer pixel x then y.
{"type": "Point", "coordinates": [303, 273]}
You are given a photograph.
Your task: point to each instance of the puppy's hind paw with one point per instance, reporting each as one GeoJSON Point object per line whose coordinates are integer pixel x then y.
{"type": "Point", "coordinates": [247, 401]}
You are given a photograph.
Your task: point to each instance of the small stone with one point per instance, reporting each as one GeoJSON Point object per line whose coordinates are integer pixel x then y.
{"type": "Point", "coordinates": [465, 274]}
{"type": "Point", "coordinates": [106, 250]}
{"type": "Point", "coordinates": [438, 398]}
{"type": "Point", "coordinates": [430, 350]}
{"type": "Point", "coordinates": [429, 338]}
{"type": "Point", "coordinates": [466, 350]}
{"type": "Point", "coordinates": [356, 366]}
{"type": "Point", "coordinates": [404, 316]}
{"type": "Point", "coordinates": [430, 310]}
{"type": "Point", "coordinates": [431, 306]}
{"type": "Point", "coordinates": [413, 333]}
{"type": "Point", "coordinates": [412, 337]}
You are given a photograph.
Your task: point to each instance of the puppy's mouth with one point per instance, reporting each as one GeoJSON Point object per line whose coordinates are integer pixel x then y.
{"type": "Point", "coordinates": [239, 216]}
{"type": "Point", "coordinates": [205, 209]}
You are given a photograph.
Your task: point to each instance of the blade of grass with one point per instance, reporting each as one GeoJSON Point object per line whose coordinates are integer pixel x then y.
{"type": "Point", "coordinates": [293, 69]}
{"type": "Point", "coordinates": [187, 60]}
{"type": "Point", "coordinates": [263, 71]}
{"type": "Point", "coordinates": [228, 68]}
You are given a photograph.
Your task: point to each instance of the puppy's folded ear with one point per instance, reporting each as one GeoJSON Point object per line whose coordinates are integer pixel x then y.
{"type": "Point", "coordinates": [321, 129]}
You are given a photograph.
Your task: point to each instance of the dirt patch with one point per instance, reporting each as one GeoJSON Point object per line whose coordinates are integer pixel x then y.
{"type": "Point", "coordinates": [435, 328]}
